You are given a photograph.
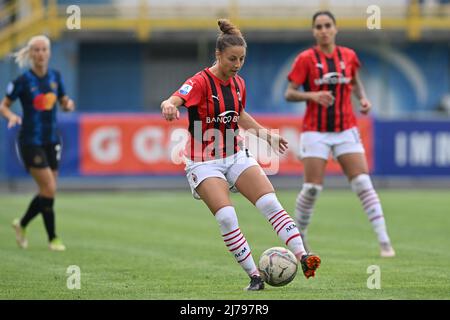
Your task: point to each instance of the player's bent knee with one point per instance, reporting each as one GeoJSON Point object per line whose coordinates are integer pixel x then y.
{"type": "Point", "coordinates": [312, 189]}
{"type": "Point", "coordinates": [226, 216]}
{"type": "Point", "coordinates": [268, 202]}
{"type": "Point", "coordinates": [48, 191]}
{"type": "Point", "coordinates": [361, 182]}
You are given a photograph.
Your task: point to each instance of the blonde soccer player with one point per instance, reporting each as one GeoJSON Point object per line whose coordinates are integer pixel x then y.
{"type": "Point", "coordinates": [38, 89]}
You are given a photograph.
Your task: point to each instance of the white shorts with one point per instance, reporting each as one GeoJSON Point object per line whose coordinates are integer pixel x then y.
{"type": "Point", "coordinates": [320, 144]}
{"type": "Point", "coordinates": [229, 169]}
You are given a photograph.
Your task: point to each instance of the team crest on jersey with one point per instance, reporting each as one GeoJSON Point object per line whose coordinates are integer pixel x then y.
{"type": "Point", "coordinates": [53, 85]}
{"type": "Point", "coordinates": [185, 89]}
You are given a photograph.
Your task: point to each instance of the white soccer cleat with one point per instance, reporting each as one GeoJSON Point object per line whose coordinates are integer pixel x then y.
{"type": "Point", "coordinates": [386, 250]}
{"type": "Point", "coordinates": [21, 239]}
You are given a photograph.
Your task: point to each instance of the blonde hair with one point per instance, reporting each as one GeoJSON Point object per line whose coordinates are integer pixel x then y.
{"type": "Point", "coordinates": [22, 57]}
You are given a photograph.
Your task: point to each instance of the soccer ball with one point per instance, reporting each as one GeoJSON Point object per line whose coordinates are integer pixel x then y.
{"type": "Point", "coordinates": [277, 266]}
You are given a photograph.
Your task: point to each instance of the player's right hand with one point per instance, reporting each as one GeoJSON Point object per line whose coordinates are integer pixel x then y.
{"type": "Point", "coordinates": [324, 98]}
{"type": "Point", "coordinates": [169, 111]}
{"type": "Point", "coordinates": [14, 120]}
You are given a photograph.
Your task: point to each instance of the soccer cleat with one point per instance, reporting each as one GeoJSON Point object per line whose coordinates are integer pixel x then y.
{"type": "Point", "coordinates": [310, 263]}
{"type": "Point", "coordinates": [20, 234]}
{"type": "Point", "coordinates": [386, 250]}
{"type": "Point", "coordinates": [256, 284]}
{"type": "Point", "coordinates": [56, 245]}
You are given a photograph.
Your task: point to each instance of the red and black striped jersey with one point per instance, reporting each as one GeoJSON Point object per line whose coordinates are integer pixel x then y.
{"type": "Point", "coordinates": [318, 71]}
{"type": "Point", "coordinates": [214, 107]}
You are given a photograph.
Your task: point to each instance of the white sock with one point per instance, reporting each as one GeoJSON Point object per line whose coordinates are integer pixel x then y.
{"type": "Point", "coordinates": [304, 205]}
{"type": "Point", "coordinates": [281, 222]}
{"type": "Point", "coordinates": [362, 186]}
{"type": "Point", "coordinates": [235, 240]}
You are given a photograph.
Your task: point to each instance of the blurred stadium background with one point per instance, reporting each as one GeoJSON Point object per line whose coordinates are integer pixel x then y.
{"type": "Point", "coordinates": [126, 56]}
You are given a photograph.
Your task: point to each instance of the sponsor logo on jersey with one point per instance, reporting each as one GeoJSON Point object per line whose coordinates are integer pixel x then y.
{"type": "Point", "coordinates": [332, 78]}
{"type": "Point", "coordinates": [224, 117]}
{"type": "Point", "coordinates": [44, 101]}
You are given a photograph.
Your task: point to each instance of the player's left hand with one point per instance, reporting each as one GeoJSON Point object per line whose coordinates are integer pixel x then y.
{"type": "Point", "coordinates": [14, 120]}
{"type": "Point", "coordinates": [365, 106]}
{"type": "Point", "coordinates": [278, 143]}
{"type": "Point", "coordinates": [69, 106]}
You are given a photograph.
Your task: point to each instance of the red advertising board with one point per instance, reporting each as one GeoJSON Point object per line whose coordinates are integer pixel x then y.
{"type": "Point", "coordinates": [147, 144]}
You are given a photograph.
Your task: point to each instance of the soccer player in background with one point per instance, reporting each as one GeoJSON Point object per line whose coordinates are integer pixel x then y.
{"type": "Point", "coordinates": [38, 88]}
{"type": "Point", "coordinates": [215, 163]}
{"type": "Point", "coordinates": [329, 75]}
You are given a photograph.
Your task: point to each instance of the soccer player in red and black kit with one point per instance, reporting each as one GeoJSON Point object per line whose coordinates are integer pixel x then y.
{"type": "Point", "coordinates": [215, 163]}
{"type": "Point", "coordinates": [329, 76]}
{"type": "Point", "coordinates": [38, 88]}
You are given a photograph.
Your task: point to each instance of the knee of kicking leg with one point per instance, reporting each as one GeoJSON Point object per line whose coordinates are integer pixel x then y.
{"type": "Point", "coordinates": [226, 217]}
{"type": "Point", "coordinates": [268, 203]}
{"type": "Point", "coordinates": [311, 189]}
{"type": "Point", "coordinates": [361, 182]}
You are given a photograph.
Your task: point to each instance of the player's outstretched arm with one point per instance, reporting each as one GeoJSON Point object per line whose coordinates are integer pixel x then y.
{"type": "Point", "coordinates": [277, 142]}
{"type": "Point", "coordinates": [5, 111]}
{"type": "Point", "coordinates": [169, 108]}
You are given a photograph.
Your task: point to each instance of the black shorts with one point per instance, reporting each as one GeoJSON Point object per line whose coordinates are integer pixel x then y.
{"type": "Point", "coordinates": [44, 156]}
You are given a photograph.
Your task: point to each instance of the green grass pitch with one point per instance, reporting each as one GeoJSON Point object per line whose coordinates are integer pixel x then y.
{"type": "Point", "coordinates": [166, 245]}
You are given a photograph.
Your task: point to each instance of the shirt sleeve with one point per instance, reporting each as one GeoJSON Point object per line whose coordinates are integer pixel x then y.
{"type": "Point", "coordinates": [299, 70]}
{"type": "Point", "coordinates": [14, 89]}
{"type": "Point", "coordinates": [61, 87]}
{"type": "Point", "coordinates": [191, 92]}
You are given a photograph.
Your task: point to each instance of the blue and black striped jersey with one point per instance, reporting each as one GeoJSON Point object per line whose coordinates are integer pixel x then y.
{"type": "Point", "coordinates": [38, 96]}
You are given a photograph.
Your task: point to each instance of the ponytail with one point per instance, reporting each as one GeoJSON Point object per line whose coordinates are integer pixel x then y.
{"type": "Point", "coordinates": [22, 57]}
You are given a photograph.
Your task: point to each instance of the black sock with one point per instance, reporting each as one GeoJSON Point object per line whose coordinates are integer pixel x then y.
{"type": "Point", "coordinates": [48, 214]}
{"type": "Point", "coordinates": [33, 210]}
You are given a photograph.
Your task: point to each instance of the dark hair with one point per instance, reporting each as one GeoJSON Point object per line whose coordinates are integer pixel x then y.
{"type": "Point", "coordinates": [326, 13]}
{"type": "Point", "coordinates": [230, 36]}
